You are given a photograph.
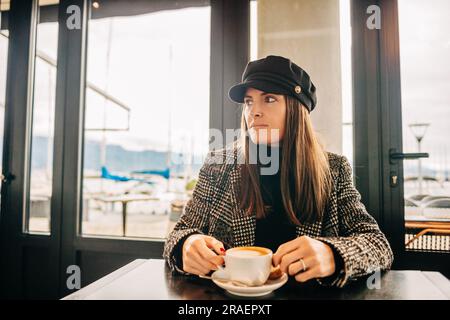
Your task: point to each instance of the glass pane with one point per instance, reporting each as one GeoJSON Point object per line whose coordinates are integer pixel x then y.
{"type": "Point", "coordinates": [146, 117]}
{"type": "Point", "coordinates": [425, 74]}
{"type": "Point", "coordinates": [3, 67]}
{"type": "Point", "coordinates": [43, 119]}
{"type": "Point", "coordinates": [317, 36]}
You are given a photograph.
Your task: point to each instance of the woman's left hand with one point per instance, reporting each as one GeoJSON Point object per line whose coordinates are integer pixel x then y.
{"type": "Point", "coordinates": [317, 256]}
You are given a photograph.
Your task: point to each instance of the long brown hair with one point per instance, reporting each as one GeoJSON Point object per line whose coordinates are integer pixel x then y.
{"type": "Point", "coordinates": [305, 174]}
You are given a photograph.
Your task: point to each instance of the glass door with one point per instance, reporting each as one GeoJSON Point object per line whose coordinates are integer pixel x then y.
{"type": "Point", "coordinates": [406, 110]}
{"type": "Point", "coordinates": [146, 118]}
{"type": "Point", "coordinates": [29, 237]}
{"type": "Point", "coordinates": [424, 40]}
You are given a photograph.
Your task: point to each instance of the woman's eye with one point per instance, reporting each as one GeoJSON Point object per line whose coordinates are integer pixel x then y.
{"type": "Point", "coordinates": [270, 99]}
{"type": "Point", "coordinates": [248, 102]}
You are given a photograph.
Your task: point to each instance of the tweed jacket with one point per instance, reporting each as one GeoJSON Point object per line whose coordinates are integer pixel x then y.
{"type": "Point", "coordinates": [346, 225]}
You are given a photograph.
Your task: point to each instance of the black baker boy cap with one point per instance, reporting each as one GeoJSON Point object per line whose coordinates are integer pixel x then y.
{"type": "Point", "coordinates": [278, 75]}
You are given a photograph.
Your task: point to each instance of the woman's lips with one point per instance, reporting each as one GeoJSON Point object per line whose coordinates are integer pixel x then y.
{"type": "Point", "coordinates": [259, 126]}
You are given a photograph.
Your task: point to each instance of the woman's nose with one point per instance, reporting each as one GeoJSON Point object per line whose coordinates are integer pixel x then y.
{"type": "Point", "coordinates": [257, 113]}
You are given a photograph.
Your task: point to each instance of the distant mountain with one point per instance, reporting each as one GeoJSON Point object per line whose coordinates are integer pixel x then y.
{"type": "Point", "coordinates": [117, 158]}
{"type": "Point", "coordinates": [414, 172]}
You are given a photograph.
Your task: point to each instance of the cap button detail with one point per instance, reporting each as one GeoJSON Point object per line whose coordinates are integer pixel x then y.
{"type": "Point", "coordinates": [298, 89]}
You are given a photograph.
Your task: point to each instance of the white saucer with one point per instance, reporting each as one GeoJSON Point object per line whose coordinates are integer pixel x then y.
{"type": "Point", "coordinates": [257, 291]}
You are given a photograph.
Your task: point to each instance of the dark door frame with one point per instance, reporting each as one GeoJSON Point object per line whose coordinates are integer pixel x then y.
{"type": "Point", "coordinates": [230, 51]}
{"type": "Point", "coordinates": [373, 74]}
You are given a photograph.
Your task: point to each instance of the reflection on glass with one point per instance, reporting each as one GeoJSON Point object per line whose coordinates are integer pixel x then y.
{"type": "Point", "coordinates": [425, 74]}
{"type": "Point", "coordinates": [317, 36]}
{"type": "Point", "coordinates": [43, 123]}
{"type": "Point", "coordinates": [146, 119]}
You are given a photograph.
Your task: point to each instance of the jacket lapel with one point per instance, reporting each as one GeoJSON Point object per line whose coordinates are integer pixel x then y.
{"type": "Point", "coordinates": [315, 229]}
{"type": "Point", "coordinates": [243, 225]}
{"type": "Point", "coordinates": [311, 230]}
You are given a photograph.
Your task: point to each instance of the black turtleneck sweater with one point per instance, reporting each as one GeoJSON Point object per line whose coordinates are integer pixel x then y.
{"type": "Point", "coordinates": [275, 228]}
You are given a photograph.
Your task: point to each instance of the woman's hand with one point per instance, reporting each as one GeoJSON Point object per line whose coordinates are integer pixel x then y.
{"type": "Point", "coordinates": [198, 258]}
{"type": "Point", "coordinates": [317, 257]}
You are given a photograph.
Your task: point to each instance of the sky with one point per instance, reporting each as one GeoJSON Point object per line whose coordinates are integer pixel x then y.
{"type": "Point", "coordinates": [160, 90]}
{"type": "Point", "coordinates": [425, 76]}
{"type": "Point", "coordinates": [138, 72]}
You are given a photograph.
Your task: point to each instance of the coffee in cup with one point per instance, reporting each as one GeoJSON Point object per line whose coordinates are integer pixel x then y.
{"type": "Point", "coordinates": [249, 265]}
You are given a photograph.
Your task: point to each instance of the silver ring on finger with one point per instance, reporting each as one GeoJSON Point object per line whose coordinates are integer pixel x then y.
{"type": "Point", "coordinates": [303, 265]}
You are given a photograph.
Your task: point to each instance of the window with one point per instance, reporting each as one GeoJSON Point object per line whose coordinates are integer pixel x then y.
{"type": "Point", "coordinates": [43, 118]}
{"type": "Point", "coordinates": [146, 118]}
{"type": "Point", "coordinates": [424, 38]}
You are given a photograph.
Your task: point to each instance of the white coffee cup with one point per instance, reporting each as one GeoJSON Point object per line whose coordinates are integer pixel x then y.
{"type": "Point", "coordinates": [249, 265]}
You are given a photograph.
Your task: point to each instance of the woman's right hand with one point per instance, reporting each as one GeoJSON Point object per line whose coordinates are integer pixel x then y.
{"type": "Point", "coordinates": [201, 254]}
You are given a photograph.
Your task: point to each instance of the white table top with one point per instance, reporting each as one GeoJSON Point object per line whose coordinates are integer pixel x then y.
{"type": "Point", "coordinates": [132, 282]}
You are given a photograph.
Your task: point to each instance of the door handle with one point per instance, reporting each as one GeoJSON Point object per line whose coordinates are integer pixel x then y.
{"type": "Point", "coordinates": [7, 178]}
{"type": "Point", "coordinates": [395, 156]}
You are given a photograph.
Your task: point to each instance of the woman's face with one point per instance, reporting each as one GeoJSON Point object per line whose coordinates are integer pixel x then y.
{"type": "Point", "coordinates": [265, 115]}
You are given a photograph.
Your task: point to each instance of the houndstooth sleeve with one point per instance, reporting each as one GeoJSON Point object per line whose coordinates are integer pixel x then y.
{"type": "Point", "coordinates": [361, 244]}
{"type": "Point", "coordinates": [195, 213]}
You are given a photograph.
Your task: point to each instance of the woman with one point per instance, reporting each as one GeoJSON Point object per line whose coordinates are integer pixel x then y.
{"type": "Point", "coordinates": [308, 212]}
